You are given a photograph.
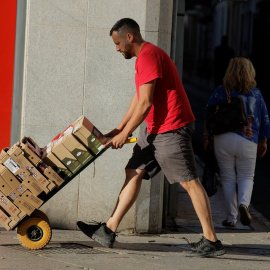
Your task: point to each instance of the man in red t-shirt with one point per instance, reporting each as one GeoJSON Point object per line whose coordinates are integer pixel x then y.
{"type": "Point", "coordinates": [166, 144]}
{"type": "Point", "coordinates": [170, 106]}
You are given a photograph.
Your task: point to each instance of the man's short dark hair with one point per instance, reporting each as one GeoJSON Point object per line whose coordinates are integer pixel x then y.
{"type": "Point", "coordinates": [126, 25]}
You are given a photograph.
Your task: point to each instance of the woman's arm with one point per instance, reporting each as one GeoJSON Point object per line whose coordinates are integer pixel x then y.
{"type": "Point", "coordinates": [264, 132]}
{"type": "Point", "coordinates": [262, 147]}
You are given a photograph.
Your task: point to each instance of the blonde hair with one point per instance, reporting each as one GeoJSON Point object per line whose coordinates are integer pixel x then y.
{"type": "Point", "coordinates": [240, 75]}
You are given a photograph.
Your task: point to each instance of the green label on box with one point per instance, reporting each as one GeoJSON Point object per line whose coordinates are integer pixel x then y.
{"type": "Point", "coordinates": [63, 172]}
{"type": "Point", "coordinates": [71, 164]}
{"type": "Point", "coordinates": [82, 155]}
{"type": "Point", "coordinates": [94, 144]}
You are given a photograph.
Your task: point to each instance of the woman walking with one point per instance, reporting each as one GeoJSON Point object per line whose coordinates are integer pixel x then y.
{"type": "Point", "coordinates": [236, 152]}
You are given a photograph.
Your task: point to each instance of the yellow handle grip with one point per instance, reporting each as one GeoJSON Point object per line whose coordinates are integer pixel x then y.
{"type": "Point", "coordinates": [131, 140]}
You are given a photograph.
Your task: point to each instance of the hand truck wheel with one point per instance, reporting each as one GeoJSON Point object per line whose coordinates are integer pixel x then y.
{"type": "Point", "coordinates": [40, 214]}
{"type": "Point", "coordinates": [34, 233]}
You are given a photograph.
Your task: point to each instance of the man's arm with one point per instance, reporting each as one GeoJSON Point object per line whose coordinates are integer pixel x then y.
{"type": "Point", "coordinates": [135, 115]}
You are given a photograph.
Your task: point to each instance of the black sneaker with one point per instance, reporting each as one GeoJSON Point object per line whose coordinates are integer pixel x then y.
{"type": "Point", "coordinates": [245, 217]}
{"type": "Point", "coordinates": [206, 248]}
{"type": "Point", "coordinates": [98, 232]}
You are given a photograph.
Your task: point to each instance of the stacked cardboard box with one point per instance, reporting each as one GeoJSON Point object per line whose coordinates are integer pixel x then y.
{"type": "Point", "coordinates": [22, 185]}
{"type": "Point", "coordinates": [74, 147]}
{"type": "Point", "coordinates": [29, 173]}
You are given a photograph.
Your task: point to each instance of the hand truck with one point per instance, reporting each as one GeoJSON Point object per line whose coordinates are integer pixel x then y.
{"type": "Point", "coordinates": [20, 200]}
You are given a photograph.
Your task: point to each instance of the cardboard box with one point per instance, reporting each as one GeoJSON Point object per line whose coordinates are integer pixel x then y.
{"type": "Point", "coordinates": [76, 149]}
{"type": "Point", "coordinates": [33, 186]}
{"type": "Point", "coordinates": [59, 137]}
{"type": "Point", "coordinates": [8, 162]}
{"type": "Point", "coordinates": [8, 222]}
{"type": "Point", "coordinates": [21, 174]}
{"type": "Point", "coordinates": [89, 135]}
{"type": "Point", "coordinates": [38, 162]}
{"type": "Point", "coordinates": [33, 146]}
{"type": "Point", "coordinates": [72, 146]}
{"type": "Point", "coordinates": [46, 170]}
{"type": "Point", "coordinates": [18, 156]}
{"type": "Point", "coordinates": [23, 199]}
{"type": "Point", "coordinates": [66, 158]}
{"type": "Point", "coordinates": [4, 186]}
{"type": "Point", "coordinates": [29, 152]}
{"type": "Point", "coordinates": [21, 188]}
{"type": "Point", "coordinates": [51, 160]}
{"type": "Point", "coordinates": [15, 193]}
{"type": "Point", "coordinates": [24, 206]}
{"type": "Point", "coordinates": [27, 202]}
{"type": "Point", "coordinates": [10, 208]}
{"type": "Point", "coordinates": [32, 199]}
{"type": "Point", "coordinates": [9, 178]}
{"type": "Point", "coordinates": [51, 174]}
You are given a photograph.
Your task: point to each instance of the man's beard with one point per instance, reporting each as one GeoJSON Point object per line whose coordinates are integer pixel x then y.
{"type": "Point", "coordinates": [127, 55]}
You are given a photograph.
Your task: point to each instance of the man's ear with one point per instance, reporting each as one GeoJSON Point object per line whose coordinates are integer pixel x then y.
{"type": "Point", "coordinates": [130, 37]}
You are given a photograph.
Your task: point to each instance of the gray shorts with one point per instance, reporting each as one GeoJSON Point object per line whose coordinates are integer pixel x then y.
{"type": "Point", "coordinates": [170, 152]}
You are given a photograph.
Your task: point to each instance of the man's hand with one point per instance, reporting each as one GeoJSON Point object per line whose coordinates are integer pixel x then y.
{"type": "Point", "coordinates": [117, 142]}
{"type": "Point", "coordinates": [262, 148]}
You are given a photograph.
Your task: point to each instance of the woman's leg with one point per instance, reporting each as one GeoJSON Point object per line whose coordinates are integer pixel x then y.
{"type": "Point", "coordinates": [224, 151]}
{"type": "Point", "coordinates": [245, 167]}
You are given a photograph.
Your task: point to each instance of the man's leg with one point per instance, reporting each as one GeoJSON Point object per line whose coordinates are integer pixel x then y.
{"type": "Point", "coordinates": [202, 207]}
{"type": "Point", "coordinates": [127, 197]}
{"type": "Point", "coordinates": [104, 233]}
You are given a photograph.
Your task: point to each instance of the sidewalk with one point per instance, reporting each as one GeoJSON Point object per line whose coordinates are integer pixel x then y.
{"type": "Point", "coordinates": [246, 248]}
{"type": "Point", "coordinates": [187, 216]}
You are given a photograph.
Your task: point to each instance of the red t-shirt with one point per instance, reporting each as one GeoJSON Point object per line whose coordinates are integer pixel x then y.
{"type": "Point", "coordinates": [171, 108]}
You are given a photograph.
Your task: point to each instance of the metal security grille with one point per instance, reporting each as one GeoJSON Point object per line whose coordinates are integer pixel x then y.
{"type": "Point", "coordinates": [61, 248]}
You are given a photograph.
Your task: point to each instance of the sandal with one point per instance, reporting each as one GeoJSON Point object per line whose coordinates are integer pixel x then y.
{"type": "Point", "coordinates": [228, 224]}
